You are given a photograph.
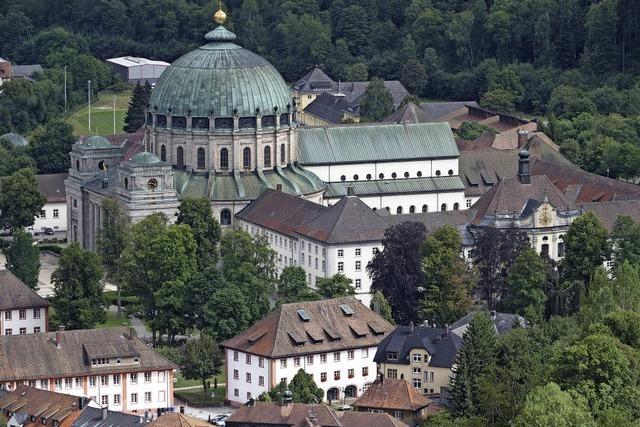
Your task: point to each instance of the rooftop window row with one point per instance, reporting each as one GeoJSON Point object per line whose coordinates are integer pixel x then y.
{"type": "Point", "coordinates": [394, 175]}
{"type": "Point", "coordinates": [203, 123]}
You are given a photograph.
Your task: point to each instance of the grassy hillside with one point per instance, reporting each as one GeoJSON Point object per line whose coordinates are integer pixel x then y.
{"type": "Point", "coordinates": [101, 115]}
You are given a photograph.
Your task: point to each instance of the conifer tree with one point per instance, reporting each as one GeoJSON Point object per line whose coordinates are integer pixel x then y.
{"type": "Point", "coordinates": [377, 102]}
{"type": "Point", "coordinates": [475, 357]}
{"type": "Point", "coordinates": [135, 114]}
{"type": "Point", "coordinates": [23, 258]}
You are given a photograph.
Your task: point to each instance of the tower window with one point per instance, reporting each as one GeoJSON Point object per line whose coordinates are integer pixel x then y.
{"type": "Point", "coordinates": [201, 157]}
{"type": "Point", "coordinates": [399, 210]}
{"type": "Point", "coordinates": [356, 177]}
{"type": "Point", "coordinates": [443, 207]}
{"type": "Point", "coordinates": [180, 158]}
{"type": "Point", "coordinates": [161, 121]}
{"type": "Point", "coordinates": [224, 159]}
{"type": "Point", "coordinates": [267, 156]}
{"type": "Point", "coordinates": [246, 158]}
{"type": "Point", "coordinates": [223, 123]}
{"type": "Point", "coordinates": [201, 123]}
{"type": "Point", "coordinates": [284, 119]}
{"type": "Point", "coordinates": [456, 206]}
{"type": "Point", "coordinates": [163, 153]}
{"type": "Point", "coordinates": [268, 121]}
{"type": "Point", "coordinates": [283, 155]}
{"type": "Point", "coordinates": [179, 122]}
{"type": "Point", "coordinates": [425, 208]}
{"type": "Point", "coordinates": [412, 209]}
{"type": "Point", "coordinates": [450, 172]}
{"type": "Point", "coordinates": [394, 175]}
{"type": "Point", "coordinates": [406, 174]}
{"type": "Point", "coordinates": [438, 173]}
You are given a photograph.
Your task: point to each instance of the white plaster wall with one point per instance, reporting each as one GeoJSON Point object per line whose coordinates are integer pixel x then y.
{"type": "Point", "coordinates": [349, 259]}
{"type": "Point", "coordinates": [58, 224]}
{"type": "Point", "coordinates": [433, 201]}
{"type": "Point", "coordinates": [29, 322]}
{"type": "Point", "coordinates": [243, 368]}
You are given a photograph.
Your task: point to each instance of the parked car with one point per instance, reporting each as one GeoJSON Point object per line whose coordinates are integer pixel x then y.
{"type": "Point", "coordinates": [49, 231]}
{"type": "Point", "coordinates": [219, 420]}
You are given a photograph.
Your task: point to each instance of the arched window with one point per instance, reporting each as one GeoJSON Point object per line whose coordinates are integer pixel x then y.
{"type": "Point", "coordinates": [437, 173]}
{"type": "Point", "coordinates": [126, 182]}
{"type": "Point", "coordinates": [180, 157]}
{"type": "Point", "coordinates": [224, 159]}
{"type": "Point", "coordinates": [450, 172]}
{"type": "Point", "coordinates": [381, 176]}
{"type": "Point", "coordinates": [225, 217]}
{"type": "Point", "coordinates": [246, 158]}
{"type": "Point", "coordinates": [412, 209]}
{"type": "Point", "coordinates": [387, 208]}
{"type": "Point", "coordinates": [283, 155]}
{"type": "Point", "coordinates": [425, 208]}
{"type": "Point", "coordinates": [267, 156]}
{"type": "Point", "coordinates": [443, 207]}
{"type": "Point", "coordinates": [78, 164]}
{"type": "Point", "coordinates": [201, 158]}
{"type": "Point", "coordinates": [163, 153]}
{"type": "Point", "coordinates": [419, 173]}
{"type": "Point", "coordinates": [399, 210]}
{"type": "Point", "coordinates": [406, 174]}
{"type": "Point", "coordinates": [356, 177]}
{"type": "Point", "coordinates": [456, 206]}
{"type": "Point", "coordinates": [394, 175]}
{"type": "Point", "coordinates": [368, 176]}
{"type": "Point", "coordinates": [343, 178]}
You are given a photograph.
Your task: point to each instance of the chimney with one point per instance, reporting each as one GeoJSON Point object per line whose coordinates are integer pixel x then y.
{"type": "Point", "coordinates": [105, 182]}
{"type": "Point", "coordinates": [278, 187]}
{"type": "Point", "coordinates": [132, 332]}
{"type": "Point", "coordinates": [81, 403]}
{"type": "Point", "coordinates": [105, 412]}
{"type": "Point", "coordinates": [524, 171]}
{"type": "Point", "coordinates": [411, 326]}
{"type": "Point", "coordinates": [59, 336]}
{"type": "Point", "coordinates": [523, 137]}
{"type": "Point", "coordinates": [445, 334]}
{"type": "Point", "coordinates": [351, 191]}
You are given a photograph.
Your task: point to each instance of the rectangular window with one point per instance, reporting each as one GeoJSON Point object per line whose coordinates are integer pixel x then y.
{"type": "Point", "coordinates": [105, 400]}
{"type": "Point", "coordinates": [323, 358]}
{"type": "Point", "coordinates": [340, 253]}
{"type": "Point", "coordinates": [248, 359]}
{"type": "Point", "coordinates": [430, 377]}
{"type": "Point", "coordinates": [358, 265]}
{"type": "Point", "coordinates": [236, 374]}
{"type": "Point", "coordinates": [56, 213]}
{"type": "Point", "coordinates": [36, 313]}
{"type": "Point", "coordinates": [561, 250]}
{"type": "Point", "coordinates": [283, 381]}
{"type": "Point", "coordinates": [309, 246]}
{"type": "Point", "coordinates": [44, 384]}
{"type": "Point", "coordinates": [248, 395]}
{"type": "Point", "coordinates": [309, 360]}
{"type": "Point", "coordinates": [283, 363]}
{"type": "Point", "coordinates": [316, 263]}
{"type": "Point", "coordinates": [134, 378]}
{"type": "Point", "coordinates": [336, 356]}
{"type": "Point", "coordinates": [392, 355]}
{"type": "Point", "coordinates": [392, 374]}
{"type": "Point", "coordinates": [36, 330]}
{"type": "Point", "coordinates": [116, 400]}
{"type": "Point", "coordinates": [350, 354]}
{"type": "Point", "coordinates": [309, 262]}
{"type": "Point", "coordinates": [43, 214]}
{"type": "Point", "coordinates": [248, 377]}
{"type": "Point", "coordinates": [417, 383]}
{"type": "Point", "coordinates": [104, 380]}
{"type": "Point", "coordinates": [58, 383]}
{"type": "Point", "coordinates": [365, 353]}
{"type": "Point", "coordinates": [261, 380]}
{"type": "Point", "coordinates": [161, 396]}
{"type": "Point", "coordinates": [336, 375]}
{"type": "Point", "coordinates": [116, 379]}
{"type": "Point", "coordinates": [147, 377]}
{"type": "Point", "coordinates": [417, 357]}
{"type": "Point", "coordinates": [22, 314]}
{"type": "Point", "coordinates": [8, 331]}
{"type": "Point", "coordinates": [350, 373]}
{"type": "Point", "coordinates": [79, 382]}
{"type": "Point", "coordinates": [340, 266]}
{"type": "Point", "coordinates": [397, 414]}
{"type": "Point", "coordinates": [23, 331]}
{"type": "Point", "coordinates": [67, 383]}
{"type": "Point", "coordinates": [323, 376]}
{"type": "Point", "coordinates": [365, 371]}
{"type": "Point", "coordinates": [375, 251]}
{"type": "Point", "coordinates": [296, 361]}
{"type": "Point", "coordinates": [236, 393]}
{"type": "Point", "coordinates": [7, 315]}
{"type": "Point", "coordinates": [358, 283]}
{"type": "Point", "coordinates": [92, 381]}
{"type": "Point", "coordinates": [235, 356]}
{"type": "Point", "coordinates": [161, 375]}
{"type": "Point", "coordinates": [468, 203]}
{"type": "Point", "coordinates": [147, 396]}
{"type": "Point", "coordinates": [358, 251]}
{"type": "Point", "coordinates": [134, 397]}
{"type": "Point", "coordinates": [260, 362]}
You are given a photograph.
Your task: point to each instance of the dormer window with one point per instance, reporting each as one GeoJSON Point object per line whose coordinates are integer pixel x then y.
{"type": "Point", "coordinates": [392, 355]}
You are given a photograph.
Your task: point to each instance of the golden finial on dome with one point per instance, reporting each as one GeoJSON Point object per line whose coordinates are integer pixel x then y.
{"type": "Point", "coordinates": [219, 17]}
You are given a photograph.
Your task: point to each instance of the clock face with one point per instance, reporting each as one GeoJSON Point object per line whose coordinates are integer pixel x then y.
{"type": "Point", "coordinates": [545, 218]}
{"type": "Point", "coordinates": [152, 184]}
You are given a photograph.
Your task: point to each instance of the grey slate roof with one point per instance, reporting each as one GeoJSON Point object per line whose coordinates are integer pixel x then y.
{"type": "Point", "coordinates": [502, 322]}
{"type": "Point", "coordinates": [349, 220]}
{"type": "Point", "coordinates": [15, 139]}
{"type": "Point", "coordinates": [35, 356]}
{"type": "Point", "coordinates": [283, 333]}
{"type": "Point", "coordinates": [25, 71]}
{"type": "Point", "coordinates": [15, 295]}
{"type": "Point", "coordinates": [27, 401]}
{"type": "Point", "coordinates": [396, 186]}
{"type": "Point", "coordinates": [408, 113]}
{"type": "Point", "coordinates": [372, 142]}
{"type": "Point", "coordinates": [441, 344]}
{"type": "Point", "coordinates": [315, 80]}
{"type": "Point", "coordinates": [328, 107]}
{"type": "Point", "coordinates": [436, 110]}
{"type": "Point", "coordinates": [92, 417]}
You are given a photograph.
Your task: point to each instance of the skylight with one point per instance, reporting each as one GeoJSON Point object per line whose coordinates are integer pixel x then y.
{"type": "Point", "coordinates": [346, 309]}
{"type": "Point", "coordinates": [303, 315]}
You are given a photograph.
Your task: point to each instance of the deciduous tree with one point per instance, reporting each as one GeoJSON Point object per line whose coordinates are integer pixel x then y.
{"type": "Point", "coordinates": [227, 313]}
{"type": "Point", "coordinates": [23, 258]}
{"type": "Point", "coordinates": [197, 214]}
{"type": "Point", "coordinates": [526, 284]}
{"type": "Point", "coordinates": [550, 406]}
{"type": "Point", "coordinates": [303, 388]}
{"type": "Point", "coordinates": [336, 286]}
{"type": "Point", "coordinates": [380, 305]}
{"type": "Point", "coordinates": [50, 146]}
{"type": "Point", "coordinates": [376, 103]}
{"type": "Point", "coordinates": [202, 360]}
{"type": "Point", "coordinates": [20, 200]}
{"type": "Point", "coordinates": [586, 246]}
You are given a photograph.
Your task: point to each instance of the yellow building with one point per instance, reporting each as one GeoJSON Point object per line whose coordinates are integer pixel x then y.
{"type": "Point", "coordinates": [423, 356]}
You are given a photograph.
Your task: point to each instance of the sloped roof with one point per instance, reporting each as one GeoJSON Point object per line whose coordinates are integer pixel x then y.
{"type": "Point", "coordinates": [368, 419]}
{"type": "Point", "coordinates": [92, 417]}
{"type": "Point", "coordinates": [280, 212]}
{"type": "Point", "coordinates": [481, 169]}
{"type": "Point", "coordinates": [173, 419]}
{"type": "Point", "coordinates": [392, 394]}
{"type": "Point", "coordinates": [372, 142]}
{"type": "Point", "coordinates": [15, 295]}
{"type": "Point", "coordinates": [35, 356]}
{"type": "Point", "coordinates": [314, 80]}
{"type": "Point", "coordinates": [441, 344]}
{"type": "Point", "coordinates": [396, 186]}
{"type": "Point", "coordinates": [353, 91]}
{"type": "Point", "coordinates": [349, 220]}
{"type": "Point", "coordinates": [276, 334]}
{"type": "Point", "coordinates": [408, 113]}
{"type": "Point", "coordinates": [502, 322]}
{"type": "Point", "coordinates": [434, 220]}
{"type": "Point", "coordinates": [328, 107]}
{"type": "Point", "coordinates": [436, 110]}
{"type": "Point", "coordinates": [51, 186]}
{"type": "Point", "coordinates": [26, 71]}
{"type": "Point", "coordinates": [511, 196]}
{"type": "Point", "coordinates": [15, 139]}
{"type": "Point", "coordinates": [609, 211]}
{"type": "Point", "coordinates": [29, 401]}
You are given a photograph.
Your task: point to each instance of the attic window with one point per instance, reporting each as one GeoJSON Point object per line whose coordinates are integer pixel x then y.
{"type": "Point", "coordinates": [297, 338]}
{"type": "Point", "coordinates": [346, 309]}
{"type": "Point", "coordinates": [392, 355]}
{"type": "Point", "coordinates": [255, 337]}
{"type": "Point", "coordinates": [377, 330]}
{"type": "Point", "coordinates": [315, 338]}
{"type": "Point", "coordinates": [303, 315]}
{"type": "Point", "coordinates": [333, 335]}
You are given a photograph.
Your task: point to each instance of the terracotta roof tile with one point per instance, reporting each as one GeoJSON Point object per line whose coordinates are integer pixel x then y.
{"type": "Point", "coordinates": [29, 401]}
{"type": "Point", "coordinates": [392, 394]}
{"type": "Point", "coordinates": [14, 294]}
{"type": "Point", "coordinates": [172, 419]}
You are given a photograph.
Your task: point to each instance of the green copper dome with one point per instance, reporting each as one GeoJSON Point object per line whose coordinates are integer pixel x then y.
{"type": "Point", "coordinates": [221, 77]}
{"type": "Point", "coordinates": [145, 159]}
{"type": "Point", "coordinates": [95, 141]}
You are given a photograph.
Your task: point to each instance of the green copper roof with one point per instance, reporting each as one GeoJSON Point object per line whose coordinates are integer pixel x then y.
{"type": "Point", "coordinates": [15, 139]}
{"type": "Point", "coordinates": [145, 159]}
{"type": "Point", "coordinates": [245, 186]}
{"type": "Point", "coordinates": [95, 141]}
{"type": "Point", "coordinates": [220, 77]}
{"type": "Point", "coordinates": [396, 186]}
{"type": "Point", "coordinates": [372, 142]}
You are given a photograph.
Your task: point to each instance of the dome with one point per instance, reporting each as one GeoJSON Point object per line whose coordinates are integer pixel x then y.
{"type": "Point", "coordinates": [95, 141]}
{"type": "Point", "coordinates": [221, 77]}
{"type": "Point", "coordinates": [145, 159]}
{"type": "Point", "coordinates": [15, 139]}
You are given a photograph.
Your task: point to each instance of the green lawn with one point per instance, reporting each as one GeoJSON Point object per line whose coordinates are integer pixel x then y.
{"type": "Point", "coordinates": [114, 320]}
{"type": "Point", "coordinates": [195, 396]}
{"type": "Point", "coordinates": [101, 115]}
{"type": "Point", "coordinates": [183, 382]}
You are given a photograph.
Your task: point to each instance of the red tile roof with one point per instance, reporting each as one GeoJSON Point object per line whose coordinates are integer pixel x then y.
{"type": "Point", "coordinates": [392, 394]}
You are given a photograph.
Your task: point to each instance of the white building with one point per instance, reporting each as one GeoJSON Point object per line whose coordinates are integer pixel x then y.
{"type": "Point", "coordinates": [111, 366]}
{"type": "Point", "coordinates": [54, 212]}
{"type": "Point", "coordinates": [333, 340]}
{"type": "Point", "coordinates": [323, 240]}
{"type": "Point", "coordinates": [133, 70]}
{"type": "Point", "coordinates": [22, 311]}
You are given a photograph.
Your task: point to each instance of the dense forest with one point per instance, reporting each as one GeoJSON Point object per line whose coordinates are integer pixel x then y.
{"type": "Point", "coordinates": [572, 63]}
